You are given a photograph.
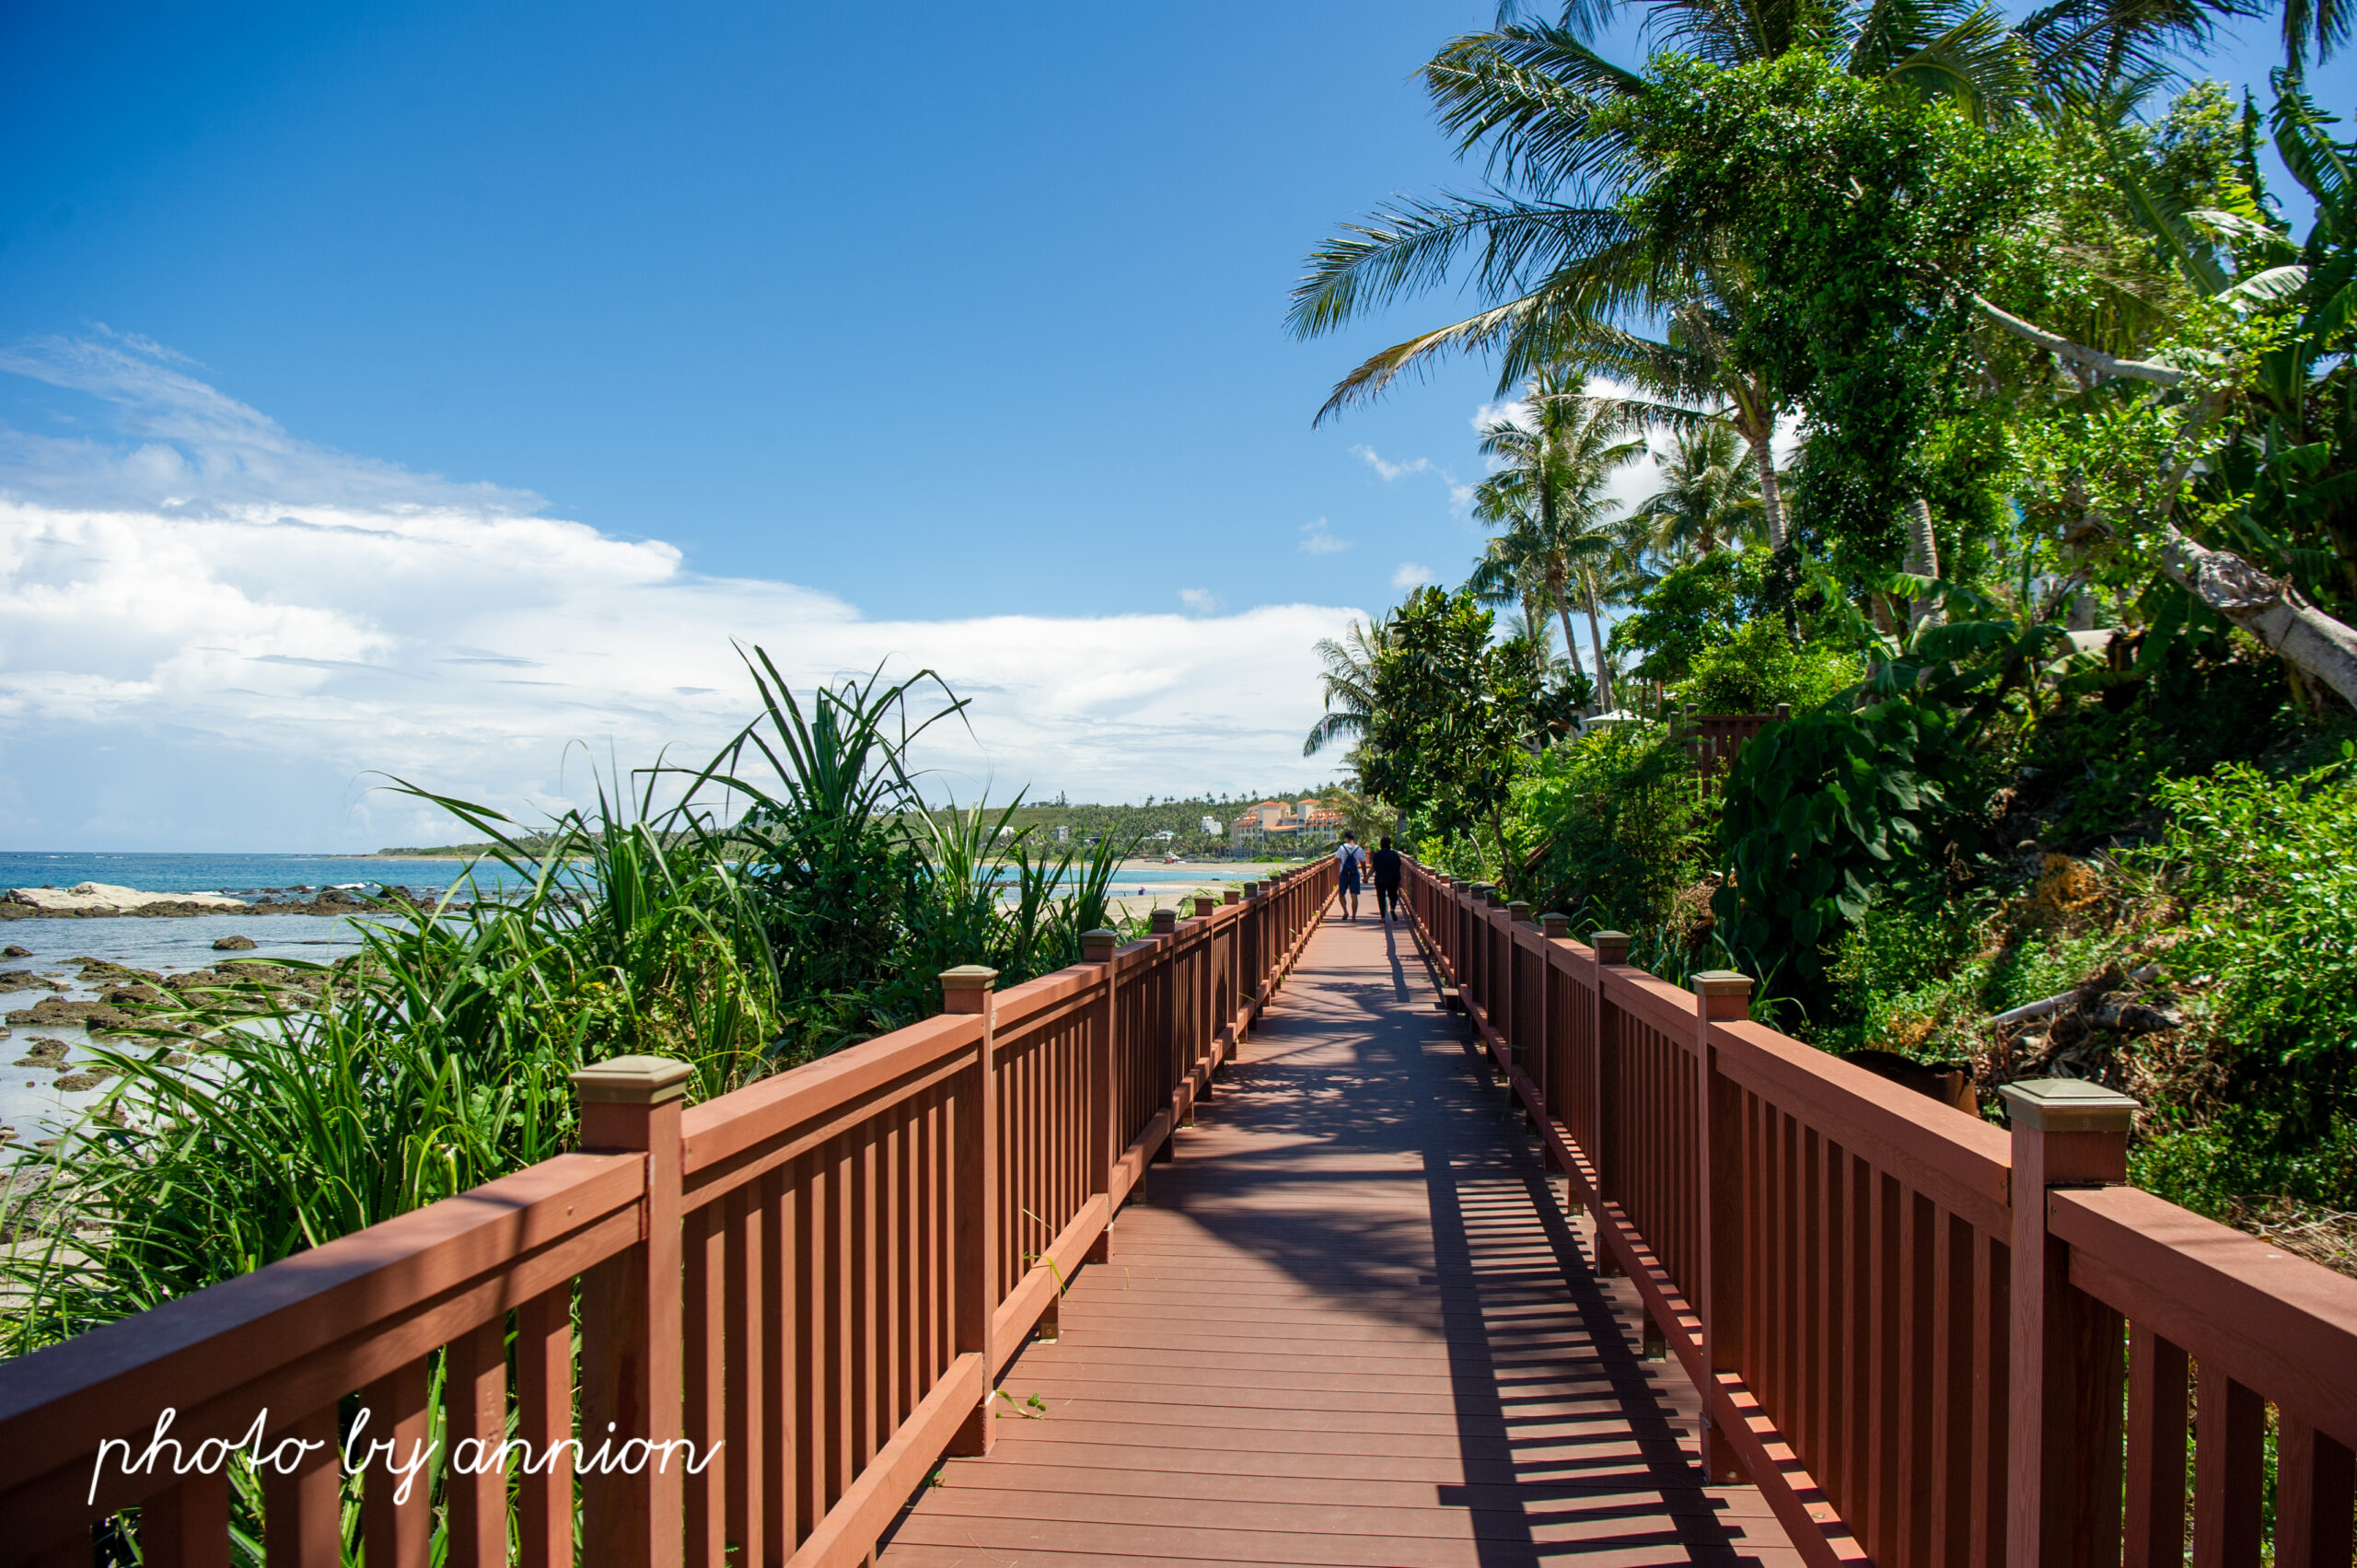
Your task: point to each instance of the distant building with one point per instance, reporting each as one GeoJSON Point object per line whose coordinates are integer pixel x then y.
{"type": "Point", "coordinates": [1277, 826]}
{"type": "Point", "coordinates": [1165, 835]}
{"type": "Point", "coordinates": [1211, 824]}
{"type": "Point", "coordinates": [1063, 834]}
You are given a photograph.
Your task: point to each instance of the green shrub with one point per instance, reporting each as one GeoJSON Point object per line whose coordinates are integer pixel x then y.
{"type": "Point", "coordinates": [2268, 873]}
{"type": "Point", "coordinates": [1694, 606]}
{"type": "Point", "coordinates": [2190, 701]}
{"type": "Point", "coordinates": [1824, 813]}
{"type": "Point", "coordinates": [1760, 665]}
{"type": "Point", "coordinates": [1609, 826]}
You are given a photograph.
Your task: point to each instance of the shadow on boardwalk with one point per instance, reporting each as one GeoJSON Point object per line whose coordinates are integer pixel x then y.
{"type": "Point", "coordinates": [1352, 1325]}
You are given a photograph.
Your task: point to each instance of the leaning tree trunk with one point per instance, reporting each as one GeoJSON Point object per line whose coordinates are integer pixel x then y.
{"type": "Point", "coordinates": [1922, 561]}
{"type": "Point", "coordinates": [1771, 491]}
{"type": "Point", "coordinates": [2269, 608]}
{"type": "Point", "coordinates": [1595, 639]}
{"type": "Point", "coordinates": [1755, 421]}
{"type": "Point", "coordinates": [1563, 614]}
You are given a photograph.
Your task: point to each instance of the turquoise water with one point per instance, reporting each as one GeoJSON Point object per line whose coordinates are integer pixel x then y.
{"type": "Point", "coordinates": [259, 874]}
{"type": "Point", "coordinates": [176, 944]}
{"type": "Point", "coordinates": [235, 874]}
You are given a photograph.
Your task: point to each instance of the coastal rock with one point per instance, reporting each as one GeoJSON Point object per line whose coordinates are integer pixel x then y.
{"type": "Point", "coordinates": [97, 969]}
{"type": "Point", "coordinates": [234, 945]}
{"type": "Point", "coordinates": [13, 951]}
{"type": "Point", "coordinates": [55, 1012]}
{"type": "Point", "coordinates": [44, 1051]}
{"type": "Point", "coordinates": [74, 1082]}
{"type": "Point", "coordinates": [107, 898]}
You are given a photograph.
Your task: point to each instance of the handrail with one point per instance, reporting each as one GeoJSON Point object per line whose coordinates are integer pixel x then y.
{"type": "Point", "coordinates": [814, 1280]}
{"type": "Point", "coordinates": [1912, 1364]}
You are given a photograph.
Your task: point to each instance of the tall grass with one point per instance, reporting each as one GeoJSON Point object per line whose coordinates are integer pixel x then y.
{"type": "Point", "coordinates": [791, 898]}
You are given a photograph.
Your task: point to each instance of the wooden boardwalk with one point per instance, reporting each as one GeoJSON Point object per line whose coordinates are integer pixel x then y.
{"type": "Point", "coordinates": [1350, 1324]}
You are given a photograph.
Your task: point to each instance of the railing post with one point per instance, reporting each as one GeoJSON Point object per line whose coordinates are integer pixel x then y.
{"type": "Point", "coordinates": [1552, 1011]}
{"type": "Point", "coordinates": [967, 990]}
{"type": "Point", "coordinates": [1181, 1032]}
{"type": "Point", "coordinates": [1612, 952]}
{"type": "Point", "coordinates": [2063, 1474]}
{"type": "Point", "coordinates": [630, 1329]}
{"type": "Point", "coordinates": [1248, 947]}
{"type": "Point", "coordinates": [1104, 1132]}
{"type": "Point", "coordinates": [1721, 996]}
{"type": "Point", "coordinates": [1214, 1027]}
{"type": "Point", "coordinates": [1475, 981]}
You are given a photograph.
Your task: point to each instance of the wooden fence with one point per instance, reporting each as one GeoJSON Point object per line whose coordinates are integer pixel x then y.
{"type": "Point", "coordinates": [1928, 1339]}
{"type": "Point", "coordinates": [1714, 740]}
{"type": "Point", "coordinates": [815, 1280]}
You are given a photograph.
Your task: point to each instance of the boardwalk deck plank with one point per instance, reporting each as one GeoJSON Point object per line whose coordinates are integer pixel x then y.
{"type": "Point", "coordinates": [1350, 1324]}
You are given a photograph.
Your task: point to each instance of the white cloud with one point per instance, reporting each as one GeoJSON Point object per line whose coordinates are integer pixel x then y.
{"type": "Point", "coordinates": [1390, 471]}
{"type": "Point", "coordinates": [1318, 540]}
{"type": "Point", "coordinates": [1512, 409]}
{"type": "Point", "coordinates": [1624, 488]}
{"type": "Point", "coordinates": [213, 634]}
{"type": "Point", "coordinates": [1411, 576]}
{"type": "Point", "coordinates": [1202, 601]}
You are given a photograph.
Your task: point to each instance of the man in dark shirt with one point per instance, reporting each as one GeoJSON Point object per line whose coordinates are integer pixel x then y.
{"type": "Point", "coordinates": [1386, 880]}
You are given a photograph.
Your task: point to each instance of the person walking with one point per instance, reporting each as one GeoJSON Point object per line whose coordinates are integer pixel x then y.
{"type": "Point", "coordinates": [1387, 880]}
{"type": "Point", "coordinates": [1351, 859]}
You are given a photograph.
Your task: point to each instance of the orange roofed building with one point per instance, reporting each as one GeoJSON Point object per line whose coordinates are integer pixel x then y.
{"type": "Point", "coordinates": [1278, 827]}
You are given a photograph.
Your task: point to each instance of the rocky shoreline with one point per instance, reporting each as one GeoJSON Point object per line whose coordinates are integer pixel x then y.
{"type": "Point", "coordinates": [99, 900]}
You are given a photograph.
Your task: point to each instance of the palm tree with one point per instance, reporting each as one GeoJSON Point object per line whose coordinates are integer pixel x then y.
{"type": "Point", "coordinates": [1349, 682]}
{"type": "Point", "coordinates": [1565, 267]}
{"type": "Point", "coordinates": [1709, 495]}
{"type": "Point", "coordinates": [1550, 497]}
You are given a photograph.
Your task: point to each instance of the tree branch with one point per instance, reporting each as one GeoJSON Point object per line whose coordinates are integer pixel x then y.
{"type": "Point", "coordinates": [2267, 607]}
{"type": "Point", "coordinates": [2079, 354]}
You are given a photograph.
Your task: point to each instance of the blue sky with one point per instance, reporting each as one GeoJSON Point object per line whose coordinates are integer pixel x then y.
{"type": "Point", "coordinates": [448, 382]}
{"type": "Point", "coordinates": [928, 308]}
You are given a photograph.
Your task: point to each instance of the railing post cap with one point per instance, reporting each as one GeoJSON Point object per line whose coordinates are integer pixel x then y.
{"type": "Point", "coordinates": [1612, 947]}
{"type": "Point", "coordinates": [1166, 921]}
{"type": "Point", "coordinates": [1719, 982]}
{"type": "Point", "coordinates": [1555, 924]}
{"type": "Point", "coordinates": [1205, 904]}
{"type": "Point", "coordinates": [969, 977]}
{"type": "Point", "coordinates": [2067, 1105]}
{"type": "Point", "coordinates": [1097, 945]}
{"type": "Point", "coordinates": [1230, 896]}
{"type": "Point", "coordinates": [1520, 910]}
{"type": "Point", "coordinates": [1496, 898]}
{"type": "Point", "coordinates": [1251, 890]}
{"type": "Point", "coordinates": [632, 1080]}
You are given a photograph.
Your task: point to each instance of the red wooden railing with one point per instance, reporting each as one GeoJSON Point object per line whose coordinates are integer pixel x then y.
{"type": "Point", "coordinates": [1929, 1340]}
{"type": "Point", "coordinates": [821, 1274]}
{"type": "Point", "coordinates": [1713, 740]}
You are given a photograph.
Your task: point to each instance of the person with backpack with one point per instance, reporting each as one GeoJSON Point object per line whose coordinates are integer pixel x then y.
{"type": "Point", "coordinates": [1350, 858]}
{"type": "Point", "coordinates": [1386, 881]}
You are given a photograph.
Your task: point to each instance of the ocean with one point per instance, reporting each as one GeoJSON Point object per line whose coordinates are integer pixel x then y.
{"type": "Point", "coordinates": [36, 1109]}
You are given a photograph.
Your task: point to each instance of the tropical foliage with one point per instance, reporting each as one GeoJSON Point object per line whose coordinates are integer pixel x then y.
{"type": "Point", "coordinates": [2001, 425]}
{"type": "Point", "coordinates": [787, 898]}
